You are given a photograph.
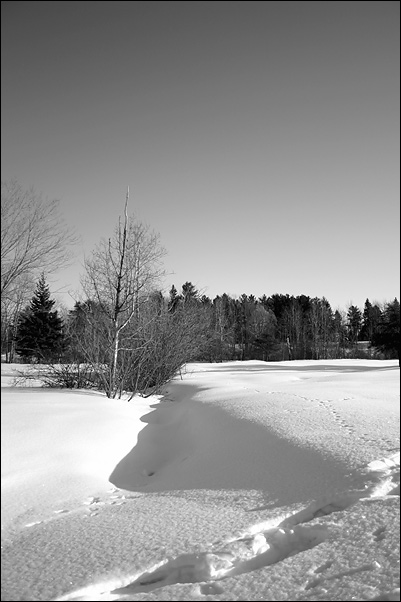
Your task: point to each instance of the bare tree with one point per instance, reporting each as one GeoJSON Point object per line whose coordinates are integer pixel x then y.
{"type": "Point", "coordinates": [11, 307]}
{"type": "Point", "coordinates": [321, 327]}
{"type": "Point", "coordinates": [119, 276]}
{"type": "Point", "coordinates": [262, 327]}
{"type": "Point", "coordinates": [34, 237]}
{"type": "Point", "coordinates": [162, 343]}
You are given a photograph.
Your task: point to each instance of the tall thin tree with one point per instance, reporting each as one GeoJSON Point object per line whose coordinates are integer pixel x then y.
{"type": "Point", "coordinates": [119, 276]}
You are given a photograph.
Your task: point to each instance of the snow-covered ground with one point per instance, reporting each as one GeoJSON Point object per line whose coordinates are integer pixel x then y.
{"type": "Point", "coordinates": [243, 481]}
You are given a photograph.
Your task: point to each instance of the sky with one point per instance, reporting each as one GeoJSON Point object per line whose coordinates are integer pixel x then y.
{"type": "Point", "coordinates": [239, 481]}
{"type": "Point", "coordinates": [259, 139]}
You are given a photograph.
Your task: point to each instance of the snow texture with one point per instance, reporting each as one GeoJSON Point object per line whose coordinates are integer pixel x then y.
{"type": "Point", "coordinates": [244, 480]}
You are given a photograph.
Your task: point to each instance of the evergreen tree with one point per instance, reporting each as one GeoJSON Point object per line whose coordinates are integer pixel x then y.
{"type": "Point", "coordinates": [86, 327]}
{"type": "Point", "coordinates": [354, 317]}
{"type": "Point", "coordinates": [174, 299]}
{"type": "Point", "coordinates": [40, 330]}
{"type": "Point", "coordinates": [387, 337]}
{"type": "Point", "coordinates": [370, 321]}
{"type": "Point", "coordinates": [189, 292]}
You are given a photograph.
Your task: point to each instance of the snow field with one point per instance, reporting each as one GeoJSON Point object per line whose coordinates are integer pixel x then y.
{"type": "Point", "coordinates": [293, 468]}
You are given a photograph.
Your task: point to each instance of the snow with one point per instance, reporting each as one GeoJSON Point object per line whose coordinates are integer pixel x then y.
{"type": "Point", "coordinates": [241, 481]}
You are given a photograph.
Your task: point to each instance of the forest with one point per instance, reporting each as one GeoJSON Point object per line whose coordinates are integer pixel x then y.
{"type": "Point", "coordinates": [125, 333]}
{"type": "Point", "coordinates": [166, 332]}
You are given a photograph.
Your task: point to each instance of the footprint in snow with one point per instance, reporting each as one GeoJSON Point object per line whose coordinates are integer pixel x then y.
{"type": "Point", "coordinates": [254, 550]}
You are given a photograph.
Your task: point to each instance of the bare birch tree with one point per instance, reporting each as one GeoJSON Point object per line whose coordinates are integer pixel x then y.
{"type": "Point", "coordinates": [119, 276]}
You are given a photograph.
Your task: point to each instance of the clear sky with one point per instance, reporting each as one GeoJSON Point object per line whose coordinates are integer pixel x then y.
{"type": "Point", "coordinates": [259, 139]}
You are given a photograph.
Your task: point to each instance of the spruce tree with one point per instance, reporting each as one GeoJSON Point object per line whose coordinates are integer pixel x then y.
{"type": "Point", "coordinates": [174, 300]}
{"type": "Point", "coordinates": [370, 321]}
{"type": "Point", "coordinates": [354, 317]}
{"type": "Point", "coordinates": [40, 330]}
{"type": "Point", "coordinates": [387, 337]}
{"type": "Point", "coordinates": [189, 292]}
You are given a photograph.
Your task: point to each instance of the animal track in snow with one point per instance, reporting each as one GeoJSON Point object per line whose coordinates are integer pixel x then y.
{"type": "Point", "coordinates": [371, 566]}
{"type": "Point", "coordinates": [90, 507]}
{"type": "Point", "coordinates": [261, 546]}
{"type": "Point", "coordinates": [323, 567]}
{"type": "Point", "coordinates": [379, 534]}
{"type": "Point", "coordinates": [327, 405]}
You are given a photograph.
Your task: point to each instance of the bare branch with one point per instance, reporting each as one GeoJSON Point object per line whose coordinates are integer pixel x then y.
{"type": "Point", "coordinates": [120, 275]}
{"type": "Point", "coordinates": [33, 235]}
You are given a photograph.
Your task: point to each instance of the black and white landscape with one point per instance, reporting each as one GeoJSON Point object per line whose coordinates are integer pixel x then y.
{"type": "Point", "coordinates": [243, 480]}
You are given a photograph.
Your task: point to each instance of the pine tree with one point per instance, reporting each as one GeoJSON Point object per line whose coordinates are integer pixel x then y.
{"type": "Point", "coordinates": [40, 330]}
{"type": "Point", "coordinates": [174, 300]}
{"type": "Point", "coordinates": [354, 317]}
{"type": "Point", "coordinates": [387, 337]}
{"type": "Point", "coordinates": [370, 321]}
{"type": "Point", "coordinates": [189, 292]}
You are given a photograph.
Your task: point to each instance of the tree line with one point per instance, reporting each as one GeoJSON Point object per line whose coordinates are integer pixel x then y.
{"type": "Point", "coordinates": [125, 334]}
{"type": "Point", "coordinates": [140, 348]}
